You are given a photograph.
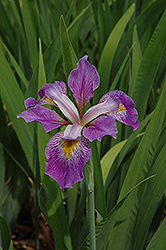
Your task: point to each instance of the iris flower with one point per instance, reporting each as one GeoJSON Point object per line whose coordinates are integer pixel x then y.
{"type": "Point", "coordinates": [68, 151]}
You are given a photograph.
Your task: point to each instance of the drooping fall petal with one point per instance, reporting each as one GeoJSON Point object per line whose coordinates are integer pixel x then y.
{"type": "Point", "coordinates": [47, 117]}
{"type": "Point", "coordinates": [126, 112]}
{"type": "Point", "coordinates": [66, 159]}
{"type": "Point", "coordinates": [61, 86]}
{"type": "Point", "coordinates": [101, 126]}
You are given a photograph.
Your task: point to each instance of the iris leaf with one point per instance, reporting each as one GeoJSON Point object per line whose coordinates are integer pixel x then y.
{"type": "Point", "coordinates": [109, 50]}
{"type": "Point", "coordinates": [105, 227]}
{"type": "Point", "coordinates": [31, 23]}
{"type": "Point", "coordinates": [139, 169]}
{"type": "Point", "coordinates": [68, 54]}
{"type": "Point", "coordinates": [159, 239]}
{"type": "Point", "coordinates": [149, 66]}
{"type": "Point", "coordinates": [6, 235]}
{"type": "Point", "coordinates": [14, 102]}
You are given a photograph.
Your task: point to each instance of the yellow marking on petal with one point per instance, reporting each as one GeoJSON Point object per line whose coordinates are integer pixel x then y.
{"type": "Point", "coordinates": [49, 100]}
{"type": "Point", "coordinates": [68, 147]}
{"type": "Point", "coordinates": [121, 108]}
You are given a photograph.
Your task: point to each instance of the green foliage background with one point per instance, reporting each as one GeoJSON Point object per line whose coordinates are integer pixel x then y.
{"type": "Point", "coordinates": [41, 41]}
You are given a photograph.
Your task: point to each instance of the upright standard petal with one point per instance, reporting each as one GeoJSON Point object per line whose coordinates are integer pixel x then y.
{"type": "Point", "coordinates": [66, 159]}
{"type": "Point", "coordinates": [47, 117]}
{"type": "Point", "coordinates": [103, 125]}
{"type": "Point", "coordinates": [126, 112]}
{"type": "Point", "coordinates": [82, 82]}
{"type": "Point", "coordinates": [73, 132]}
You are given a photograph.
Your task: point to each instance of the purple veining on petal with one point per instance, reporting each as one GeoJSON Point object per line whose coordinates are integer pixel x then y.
{"type": "Point", "coordinates": [126, 113]}
{"type": "Point", "coordinates": [73, 132]}
{"type": "Point", "coordinates": [47, 117]}
{"type": "Point", "coordinates": [30, 102]}
{"type": "Point", "coordinates": [66, 159]}
{"type": "Point", "coordinates": [41, 92]}
{"type": "Point", "coordinates": [83, 81]}
{"type": "Point", "coordinates": [63, 102]}
{"type": "Point", "coordinates": [101, 126]}
{"type": "Point", "coordinates": [61, 86]}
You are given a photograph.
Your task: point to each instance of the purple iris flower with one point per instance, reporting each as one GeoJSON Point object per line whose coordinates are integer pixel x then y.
{"type": "Point", "coordinates": [68, 151]}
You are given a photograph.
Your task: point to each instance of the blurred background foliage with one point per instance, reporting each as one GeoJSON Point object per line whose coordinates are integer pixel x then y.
{"type": "Point", "coordinates": [125, 40]}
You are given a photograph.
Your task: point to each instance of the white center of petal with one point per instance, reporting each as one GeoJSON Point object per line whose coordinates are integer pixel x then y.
{"type": "Point", "coordinates": [102, 108]}
{"type": "Point", "coordinates": [66, 106]}
{"type": "Point", "coordinates": [73, 132]}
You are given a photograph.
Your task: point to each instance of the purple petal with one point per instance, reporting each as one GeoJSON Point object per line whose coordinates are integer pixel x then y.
{"type": "Point", "coordinates": [108, 106]}
{"type": "Point", "coordinates": [103, 125]}
{"type": "Point", "coordinates": [30, 102]}
{"type": "Point", "coordinates": [41, 92]}
{"type": "Point", "coordinates": [66, 106]}
{"type": "Point", "coordinates": [126, 112]}
{"type": "Point", "coordinates": [47, 117]}
{"type": "Point", "coordinates": [73, 132]}
{"type": "Point", "coordinates": [82, 82]}
{"type": "Point", "coordinates": [61, 85]}
{"type": "Point", "coordinates": [66, 159]}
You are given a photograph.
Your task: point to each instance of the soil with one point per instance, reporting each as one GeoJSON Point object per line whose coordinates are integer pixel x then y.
{"type": "Point", "coordinates": [24, 234]}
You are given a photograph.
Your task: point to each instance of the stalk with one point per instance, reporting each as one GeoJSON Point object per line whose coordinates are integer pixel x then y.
{"type": "Point", "coordinates": [91, 209]}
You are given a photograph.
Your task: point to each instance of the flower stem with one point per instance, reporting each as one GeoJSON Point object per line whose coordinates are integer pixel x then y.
{"type": "Point", "coordinates": [91, 207]}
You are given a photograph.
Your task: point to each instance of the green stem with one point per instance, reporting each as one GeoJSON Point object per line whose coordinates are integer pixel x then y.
{"type": "Point", "coordinates": [91, 209]}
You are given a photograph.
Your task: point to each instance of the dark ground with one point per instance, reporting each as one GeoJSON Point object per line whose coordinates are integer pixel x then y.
{"type": "Point", "coordinates": [23, 234]}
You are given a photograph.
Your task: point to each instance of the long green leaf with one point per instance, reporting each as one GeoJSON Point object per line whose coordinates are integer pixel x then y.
{"type": "Point", "coordinates": [149, 204]}
{"type": "Point", "coordinates": [149, 66]}
{"type": "Point", "coordinates": [109, 157]}
{"type": "Point", "coordinates": [5, 232]}
{"type": "Point", "coordinates": [68, 54]}
{"type": "Point", "coordinates": [158, 241]}
{"type": "Point", "coordinates": [117, 77]}
{"type": "Point", "coordinates": [143, 22]}
{"type": "Point", "coordinates": [2, 176]}
{"type": "Point", "coordinates": [100, 203]}
{"type": "Point", "coordinates": [56, 215]}
{"type": "Point", "coordinates": [118, 160]}
{"type": "Point", "coordinates": [31, 22]}
{"type": "Point", "coordinates": [17, 68]}
{"type": "Point", "coordinates": [105, 227]}
{"type": "Point", "coordinates": [109, 50]}
{"type": "Point", "coordinates": [136, 58]}
{"type": "Point", "coordinates": [14, 102]}
{"type": "Point", "coordinates": [139, 169]}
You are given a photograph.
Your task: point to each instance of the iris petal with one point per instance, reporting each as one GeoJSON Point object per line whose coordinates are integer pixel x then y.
{"type": "Point", "coordinates": [126, 112]}
{"type": "Point", "coordinates": [105, 107]}
{"type": "Point", "coordinates": [101, 126]}
{"type": "Point", "coordinates": [47, 117]}
{"type": "Point", "coordinates": [29, 102]}
{"type": "Point", "coordinates": [66, 159]}
{"type": "Point", "coordinates": [66, 106]}
{"type": "Point", "coordinates": [61, 86]}
{"type": "Point", "coordinates": [82, 82]}
{"type": "Point", "coordinates": [73, 132]}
